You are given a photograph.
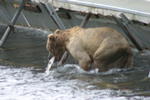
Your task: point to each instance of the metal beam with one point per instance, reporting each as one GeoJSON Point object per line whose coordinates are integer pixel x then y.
{"type": "Point", "coordinates": [53, 14]}
{"type": "Point", "coordinates": [129, 31]}
{"type": "Point", "coordinates": [85, 20]}
{"type": "Point", "coordinates": [51, 11]}
{"type": "Point", "coordinates": [26, 20]}
{"type": "Point", "coordinates": [12, 23]}
{"type": "Point", "coordinates": [107, 7]}
{"type": "Point", "coordinates": [129, 26]}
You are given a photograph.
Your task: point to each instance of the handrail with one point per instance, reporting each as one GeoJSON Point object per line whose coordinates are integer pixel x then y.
{"type": "Point", "coordinates": [108, 7]}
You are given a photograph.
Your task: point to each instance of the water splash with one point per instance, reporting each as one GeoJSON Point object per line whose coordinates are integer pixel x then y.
{"type": "Point", "coordinates": [149, 75]}
{"type": "Point", "coordinates": [50, 63]}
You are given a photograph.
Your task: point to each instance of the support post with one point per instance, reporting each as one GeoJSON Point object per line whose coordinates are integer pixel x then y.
{"type": "Point", "coordinates": [129, 25]}
{"type": "Point", "coordinates": [83, 23]}
{"type": "Point", "coordinates": [51, 11]}
{"type": "Point", "coordinates": [85, 20]}
{"type": "Point", "coordinates": [129, 31]}
{"type": "Point", "coordinates": [26, 20]}
{"type": "Point", "coordinates": [12, 23]}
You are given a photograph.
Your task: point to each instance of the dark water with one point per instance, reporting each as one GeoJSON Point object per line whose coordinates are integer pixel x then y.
{"type": "Point", "coordinates": [23, 60]}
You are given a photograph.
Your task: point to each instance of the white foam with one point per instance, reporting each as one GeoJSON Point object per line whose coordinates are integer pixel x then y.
{"type": "Point", "coordinates": [38, 1]}
{"type": "Point", "coordinates": [23, 84]}
{"type": "Point", "coordinates": [49, 65]}
{"type": "Point", "coordinates": [149, 75]}
{"type": "Point", "coordinates": [94, 71]}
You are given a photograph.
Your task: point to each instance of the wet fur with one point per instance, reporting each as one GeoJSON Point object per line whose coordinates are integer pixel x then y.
{"type": "Point", "coordinates": [104, 47]}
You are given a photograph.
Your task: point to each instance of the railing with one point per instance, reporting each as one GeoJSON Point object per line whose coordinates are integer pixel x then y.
{"type": "Point", "coordinates": [108, 7]}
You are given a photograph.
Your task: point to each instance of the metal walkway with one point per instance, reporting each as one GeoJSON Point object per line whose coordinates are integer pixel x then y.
{"type": "Point", "coordinates": [136, 10]}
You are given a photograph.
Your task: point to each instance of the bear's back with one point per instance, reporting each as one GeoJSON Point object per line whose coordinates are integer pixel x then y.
{"type": "Point", "coordinates": [91, 38]}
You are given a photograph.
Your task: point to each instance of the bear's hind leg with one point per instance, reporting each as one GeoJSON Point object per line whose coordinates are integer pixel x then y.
{"type": "Point", "coordinates": [107, 54]}
{"type": "Point", "coordinates": [84, 60]}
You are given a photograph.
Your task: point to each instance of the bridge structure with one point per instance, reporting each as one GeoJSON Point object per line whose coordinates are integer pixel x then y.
{"type": "Point", "coordinates": [133, 9]}
{"type": "Point", "coordinates": [122, 12]}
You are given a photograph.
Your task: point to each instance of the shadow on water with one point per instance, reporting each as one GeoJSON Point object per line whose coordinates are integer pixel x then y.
{"type": "Point", "coordinates": [24, 58]}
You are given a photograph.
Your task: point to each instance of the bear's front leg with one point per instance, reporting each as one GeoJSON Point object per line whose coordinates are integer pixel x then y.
{"type": "Point", "coordinates": [82, 57]}
{"type": "Point", "coordinates": [77, 51]}
{"type": "Point", "coordinates": [85, 64]}
{"type": "Point", "coordinates": [84, 60]}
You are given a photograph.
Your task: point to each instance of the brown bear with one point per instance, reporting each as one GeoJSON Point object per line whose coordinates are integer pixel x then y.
{"type": "Point", "coordinates": [100, 47]}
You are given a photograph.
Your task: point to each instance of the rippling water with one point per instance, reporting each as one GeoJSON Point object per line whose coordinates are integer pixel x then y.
{"type": "Point", "coordinates": [22, 65]}
{"type": "Point", "coordinates": [68, 83]}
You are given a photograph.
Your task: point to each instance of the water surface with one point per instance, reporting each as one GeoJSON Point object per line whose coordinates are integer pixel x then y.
{"type": "Point", "coordinates": [23, 60]}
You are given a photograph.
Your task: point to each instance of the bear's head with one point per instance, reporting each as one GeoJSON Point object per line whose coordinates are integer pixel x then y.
{"type": "Point", "coordinates": [55, 44]}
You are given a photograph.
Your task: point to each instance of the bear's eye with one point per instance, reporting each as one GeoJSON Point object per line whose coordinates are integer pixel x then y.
{"type": "Point", "coordinates": [52, 38]}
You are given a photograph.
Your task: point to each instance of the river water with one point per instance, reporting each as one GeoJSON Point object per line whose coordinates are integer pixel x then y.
{"type": "Point", "coordinates": [23, 60]}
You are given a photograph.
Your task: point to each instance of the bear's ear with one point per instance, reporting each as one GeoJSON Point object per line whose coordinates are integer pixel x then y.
{"type": "Point", "coordinates": [57, 31]}
{"type": "Point", "coordinates": [51, 37]}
